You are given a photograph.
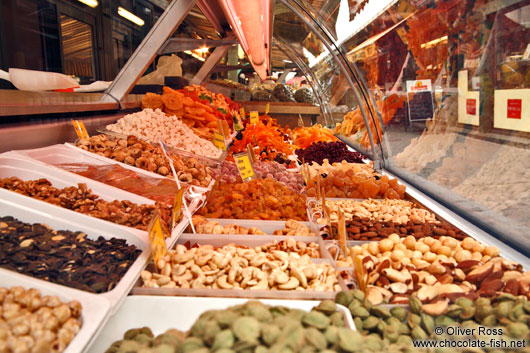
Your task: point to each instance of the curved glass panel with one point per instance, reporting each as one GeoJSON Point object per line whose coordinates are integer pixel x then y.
{"type": "Point", "coordinates": [302, 33]}
{"type": "Point", "coordinates": [452, 83]}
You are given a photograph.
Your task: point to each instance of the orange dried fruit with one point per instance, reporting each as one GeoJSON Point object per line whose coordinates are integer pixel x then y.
{"type": "Point", "coordinates": [152, 100]}
{"type": "Point", "coordinates": [172, 101]}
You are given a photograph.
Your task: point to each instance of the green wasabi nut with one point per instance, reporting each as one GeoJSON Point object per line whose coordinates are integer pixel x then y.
{"type": "Point", "coordinates": [415, 305]}
{"type": "Point", "coordinates": [464, 302]}
{"type": "Point", "coordinates": [337, 319]}
{"type": "Point", "coordinates": [327, 307]}
{"type": "Point", "coordinates": [243, 346]}
{"type": "Point", "coordinates": [308, 349]}
{"type": "Point", "coordinates": [166, 338]}
{"type": "Point", "coordinates": [359, 311]}
{"type": "Point", "coordinates": [358, 294]}
{"type": "Point", "coordinates": [223, 339]}
{"type": "Point", "coordinates": [370, 323]}
{"type": "Point", "coordinates": [190, 344]}
{"type": "Point", "coordinates": [211, 330]}
{"type": "Point", "coordinates": [404, 339]}
{"type": "Point", "coordinates": [427, 323]}
{"type": "Point", "coordinates": [163, 348]}
{"type": "Point", "coordinates": [247, 329]}
{"type": "Point", "coordinates": [404, 329]}
{"type": "Point", "coordinates": [489, 321]}
{"type": "Point", "coordinates": [373, 343]}
{"type": "Point", "coordinates": [315, 338]}
{"type": "Point", "coordinates": [269, 334]}
{"type": "Point", "coordinates": [143, 338]}
{"type": "Point", "coordinates": [261, 349]}
{"type": "Point", "coordinates": [293, 336]}
{"type": "Point", "coordinates": [399, 312]}
{"type": "Point", "coordinates": [225, 318]}
{"type": "Point", "coordinates": [260, 312]}
{"type": "Point", "coordinates": [349, 340]}
{"type": "Point", "coordinates": [380, 311]}
{"type": "Point", "coordinates": [517, 330]}
{"type": "Point", "coordinates": [130, 346]}
{"type": "Point", "coordinates": [225, 350]}
{"type": "Point", "coordinates": [418, 334]}
{"type": "Point", "coordinates": [358, 323]}
{"type": "Point", "coordinates": [296, 314]}
{"type": "Point", "coordinates": [344, 298]}
{"type": "Point", "coordinates": [131, 334]}
{"type": "Point", "coordinates": [316, 319]}
{"type": "Point", "coordinates": [391, 333]}
{"type": "Point", "coordinates": [332, 335]}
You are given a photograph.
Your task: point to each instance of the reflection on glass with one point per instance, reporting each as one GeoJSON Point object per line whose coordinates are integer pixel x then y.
{"type": "Point", "coordinates": [76, 40]}
{"type": "Point", "coordinates": [452, 82]}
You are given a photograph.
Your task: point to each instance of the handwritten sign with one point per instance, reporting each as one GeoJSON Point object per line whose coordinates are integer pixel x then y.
{"type": "Point", "coordinates": [157, 238]}
{"type": "Point", "coordinates": [177, 208]}
{"type": "Point", "coordinates": [219, 141]}
{"type": "Point", "coordinates": [254, 117]}
{"type": "Point", "coordinates": [244, 166]}
{"type": "Point", "coordinates": [80, 129]}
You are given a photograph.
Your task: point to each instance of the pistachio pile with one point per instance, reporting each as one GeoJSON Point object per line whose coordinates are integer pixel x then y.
{"type": "Point", "coordinates": [255, 327]}
{"type": "Point", "coordinates": [507, 314]}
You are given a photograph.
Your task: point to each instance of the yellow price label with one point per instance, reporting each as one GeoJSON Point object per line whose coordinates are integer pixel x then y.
{"type": "Point", "coordinates": [244, 166]}
{"type": "Point", "coordinates": [267, 108]}
{"type": "Point", "coordinates": [242, 112]}
{"type": "Point", "coordinates": [254, 117]}
{"type": "Point", "coordinates": [177, 208]}
{"type": "Point", "coordinates": [157, 239]}
{"type": "Point", "coordinates": [219, 141]}
{"type": "Point", "coordinates": [80, 129]}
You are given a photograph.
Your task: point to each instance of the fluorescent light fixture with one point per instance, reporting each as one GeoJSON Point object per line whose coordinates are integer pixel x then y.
{"type": "Point", "coordinates": [204, 50]}
{"type": "Point", "coordinates": [91, 3]}
{"type": "Point", "coordinates": [287, 61]}
{"type": "Point", "coordinates": [130, 16]}
{"type": "Point", "coordinates": [433, 42]}
{"type": "Point", "coordinates": [188, 52]}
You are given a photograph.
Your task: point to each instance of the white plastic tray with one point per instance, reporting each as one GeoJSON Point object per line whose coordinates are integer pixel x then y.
{"type": "Point", "coordinates": [28, 210]}
{"type": "Point", "coordinates": [13, 165]}
{"type": "Point", "coordinates": [241, 293]}
{"type": "Point", "coordinates": [163, 313]}
{"type": "Point", "coordinates": [252, 241]}
{"type": "Point", "coordinates": [95, 310]}
{"type": "Point", "coordinates": [268, 227]}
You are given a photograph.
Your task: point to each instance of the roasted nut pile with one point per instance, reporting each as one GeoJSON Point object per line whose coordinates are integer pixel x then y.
{"type": "Point", "coordinates": [144, 155]}
{"type": "Point", "coordinates": [273, 170]}
{"type": "Point", "coordinates": [233, 267]}
{"type": "Point", "coordinates": [437, 268]}
{"type": "Point", "coordinates": [399, 325]}
{"type": "Point", "coordinates": [30, 322]}
{"type": "Point", "coordinates": [255, 327]}
{"type": "Point", "coordinates": [64, 257]}
{"type": "Point", "coordinates": [255, 199]}
{"type": "Point", "coordinates": [202, 225]}
{"type": "Point", "coordinates": [396, 211]}
{"type": "Point", "coordinates": [82, 200]}
{"type": "Point", "coordinates": [365, 229]}
{"type": "Point", "coordinates": [153, 125]}
{"type": "Point", "coordinates": [353, 180]}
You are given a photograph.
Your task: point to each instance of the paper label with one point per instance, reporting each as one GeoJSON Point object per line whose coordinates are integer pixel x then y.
{"type": "Point", "coordinates": [244, 166]}
{"type": "Point", "coordinates": [251, 153]}
{"type": "Point", "coordinates": [267, 107]}
{"type": "Point", "coordinates": [471, 106]}
{"type": "Point", "coordinates": [237, 126]}
{"type": "Point", "coordinates": [419, 86]}
{"type": "Point", "coordinates": [177, 208]}
{"type": "Point", "coordinates": [219, 141]}
{"type": "Point", "coordinates": [157, 238]}
{"type": "Point", "coordinates": [254, 117]}
{"type": "Point", "coordinates": [80, 129]}
{"type": "Point", "coordinates": [514, 107]}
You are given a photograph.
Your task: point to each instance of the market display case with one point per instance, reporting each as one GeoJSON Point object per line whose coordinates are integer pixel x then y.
{"type": "Point", "coordinates": [398, 203]}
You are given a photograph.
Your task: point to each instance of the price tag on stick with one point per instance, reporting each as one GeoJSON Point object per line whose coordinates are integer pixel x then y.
{"type": "Point", "coordinates": [267, 108]}
{"type": "Point", "coordinates": [170, 161]}
{"type": "Point", "coordinates": [342, 233]}
{"type": "Point", "coordinates": [254, 117]}
{"type": "Point", "coordinates": [157, 238]}
{"type": "Point", "coordinates": [300, 120]}
{"type": "Point", "coordinates": [242, 112]}
{"type": "Point", "coordinates": [177, 208]}
{"type": "Point", "coordinates": [80, 129]}
{"type": "Point", "coordinates": [219, 141]}
{"type": "Point", "coordinates": [244, 166]}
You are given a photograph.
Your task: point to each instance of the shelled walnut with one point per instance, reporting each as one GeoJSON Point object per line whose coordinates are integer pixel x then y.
{"type": "Point", "coordinates": [31, 322]}
{"type": "Point", "coordinates": [81, 199]}
{"type": "Point", "coordinates": [141, 154]}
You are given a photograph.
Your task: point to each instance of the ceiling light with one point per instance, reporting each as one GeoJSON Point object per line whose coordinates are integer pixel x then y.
{"type": "Point", "coordinates": [287, 61]}
{"type": "Point", "coordinates": [187, 52]}
{"type": "Point", "coordinates": [204, 50]}
{"type": "Point", "coordinates": [130, 16]}
{"type": "Point", "coordinates": [91, 3]}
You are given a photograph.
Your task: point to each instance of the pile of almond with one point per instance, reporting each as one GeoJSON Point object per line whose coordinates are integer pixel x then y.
{"type": "Point", "coordinates": [437, 270]}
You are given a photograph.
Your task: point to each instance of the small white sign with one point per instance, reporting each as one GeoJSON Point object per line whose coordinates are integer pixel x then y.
{"type": "Point", "coordinates": [419, 86]}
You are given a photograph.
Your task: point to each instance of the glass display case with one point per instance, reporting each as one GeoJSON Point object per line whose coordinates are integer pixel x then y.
{"type": "Point", "coordinates": [451, 82]}
{"type": "Point", "coordinates": [435, 92]}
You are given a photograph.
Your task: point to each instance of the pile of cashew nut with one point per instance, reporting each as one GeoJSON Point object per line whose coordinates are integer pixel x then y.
{"type": "Point", "coordinates": [385, 210]}
{"type": "Point", "coordinates": [236, 267]}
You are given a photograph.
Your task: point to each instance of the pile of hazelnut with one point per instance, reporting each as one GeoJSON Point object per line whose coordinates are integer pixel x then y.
{"type": "Point", "coordinates": [141, 154]}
